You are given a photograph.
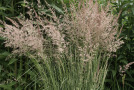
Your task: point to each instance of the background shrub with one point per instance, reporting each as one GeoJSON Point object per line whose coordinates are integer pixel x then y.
{"type": "Point", "coordinates": [125, 54]}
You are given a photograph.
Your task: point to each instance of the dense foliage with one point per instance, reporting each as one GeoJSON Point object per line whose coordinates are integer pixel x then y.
{"type": "Point", "coordinates": [125, 54]}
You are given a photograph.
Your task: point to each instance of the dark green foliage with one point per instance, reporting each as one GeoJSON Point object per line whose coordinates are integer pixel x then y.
{"type": "Point", "coordinates": [12, 8]}
{"type": "Point", "coordinates": [18, 73]}
{"type": "Point", "coordinates": [125, 54]}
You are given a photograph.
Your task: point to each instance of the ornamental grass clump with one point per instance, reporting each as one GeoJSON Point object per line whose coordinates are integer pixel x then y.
{"type": "Point", "coordinates": [94, 25]}
{"type": "Point", "coordinates": [73, 48]}
{"type": "Point", "coordinates": [25, 39]}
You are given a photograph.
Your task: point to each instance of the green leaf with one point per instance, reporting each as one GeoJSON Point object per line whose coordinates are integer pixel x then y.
{"type": "Point", "coordinates": [3, 8]}
{"type": "Point", "coordinates": [4, 55]}
{"type": "Point", "coordinates": [1, 38]}
{"type": "Point", "coordinates": [57, 8]}
{"type": "Point", "coordinates": [11, 74]}
{"type": "Point", "coordinates": [128, 46]}
{"type": "Point", "coordinates": [7, 87]}
{"type": "Point", "coordinates": [23, 4]}
{"type": "Point", "coordinates": [12, 61]}
{"type": "Point", "coordinates": [114, 73]}
{"type": "Point", "coordinates": [130, 80]}
{"type": "Point", "coordinates": [120, 57]}
{"type": "Point", "coordinates": [2, 26]}
{"type": "Point", "coordinates": [124, 61]}
{"type": "Point", "coordinates": [129, 85]}
{"type": "Point", "coordinates": [132, 10]}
